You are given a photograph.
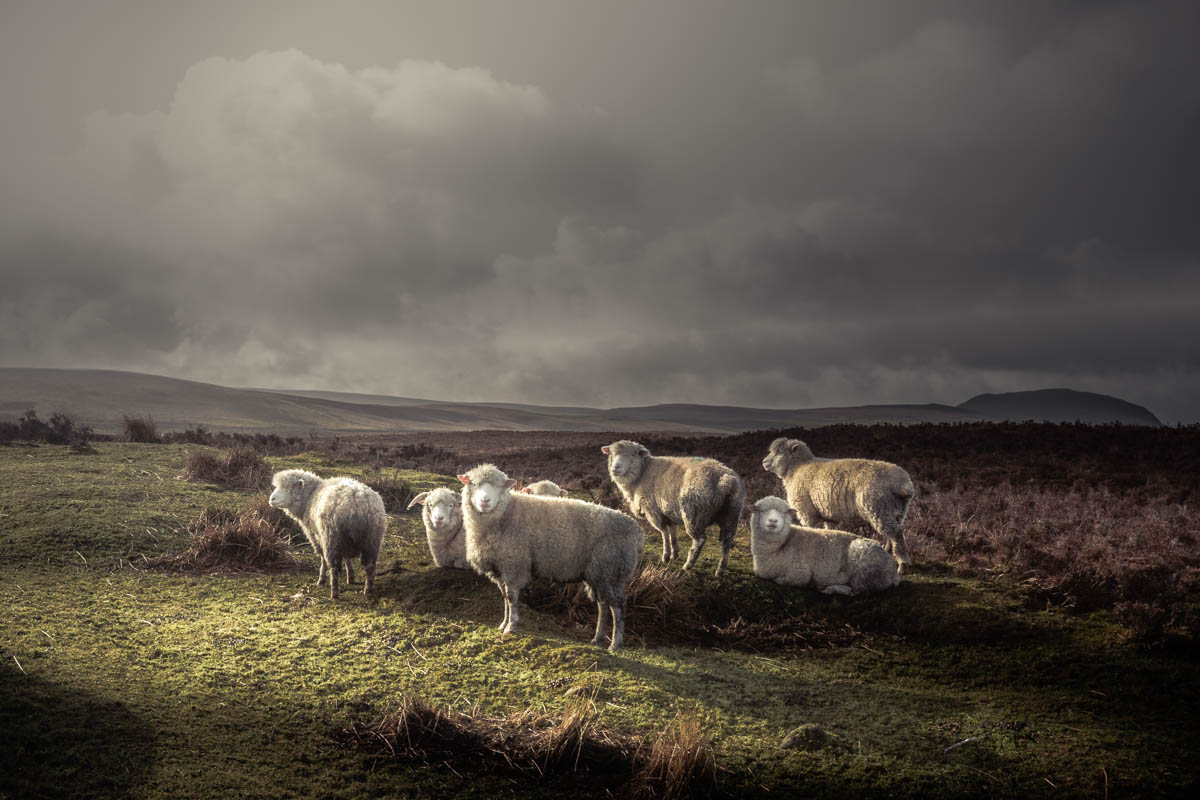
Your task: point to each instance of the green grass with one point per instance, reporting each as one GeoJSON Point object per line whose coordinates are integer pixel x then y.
{"type": "Point", "coordinates": [117, 681]}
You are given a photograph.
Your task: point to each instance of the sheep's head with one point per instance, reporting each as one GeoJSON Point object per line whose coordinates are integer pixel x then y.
{"type": "Point", "coordinates": [785, 454]}
{"type": "Point", "coordinates": [486, 488]}
{"type": "Point", "coordinates": [291, 488]}
{"type": "Point", "coordinates": [443, 508]}
{"type": "Point", "coordinates": [772, 517]}
{"type": "Point", "coordinates": [625, 459]}
{"type": "Point", "coordinates": [545, 489]}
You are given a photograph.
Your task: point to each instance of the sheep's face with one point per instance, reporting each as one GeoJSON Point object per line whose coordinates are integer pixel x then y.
{"type": "Point", "coordinates": [771, 517]}
{"type": "Point", "coordinates": [288, 488]}
{"type": "Point", "coordinates": [442, 508]}
{"type": "Point", "coordinates": [485, 487]}
{"type": "Point", "coordinates": [784, 454]}
{"type": "Point", "coordinates": [625, 459]}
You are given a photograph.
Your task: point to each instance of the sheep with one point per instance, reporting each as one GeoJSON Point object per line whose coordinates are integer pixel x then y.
{"type": "Point", "coordinates": [668, 492]}
{"type": "Point", "coordinates": [512, 536]}
{"type": "Point", "coordinates": [835, 562]}
{"type": "Point", "coordinates": [340, 517]}
{"type": "Point", "coordinates": [442, 514]}
{"type": "Point", "coordinates": [545, 489]}
{"type": "Point", "coordinates": [844, 492]}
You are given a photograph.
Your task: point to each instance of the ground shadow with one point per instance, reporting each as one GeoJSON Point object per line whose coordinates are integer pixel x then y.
{"type": "Point", "coordinates": [60, 742]}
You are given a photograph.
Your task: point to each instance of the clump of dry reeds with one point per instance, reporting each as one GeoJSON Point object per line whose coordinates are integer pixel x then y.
{"type": "Point", "coordinates": [254, 539]}
{"type": "Point", "coordinates": [678, 763]}
{"type": "Point", "coordinates": [240, 468]}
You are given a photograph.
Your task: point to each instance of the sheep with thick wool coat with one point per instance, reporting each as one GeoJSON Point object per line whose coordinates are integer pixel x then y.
{"type": "Point", "coordinates": [441, 511]}
{"type": "Point", "coordinates": [834, 562]}
{"type": "Point", "coordinates": [668, 491]}
{"type": "Point", "coordinates": [545, 489]}
{"type": "Point", "coordinates": [512, 537]}
{"type": "Point", "coordinates": [844, 492]}
{"type": "Point", "coordinates": [340, 517]}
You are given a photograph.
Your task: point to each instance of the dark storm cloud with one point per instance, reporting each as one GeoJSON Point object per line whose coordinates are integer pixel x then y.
{"type": "Point", "coordinates": [777, 205]}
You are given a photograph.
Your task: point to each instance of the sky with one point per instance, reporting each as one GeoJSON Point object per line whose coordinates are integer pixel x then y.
{"type": "Point", "coordinates": [776, 204]}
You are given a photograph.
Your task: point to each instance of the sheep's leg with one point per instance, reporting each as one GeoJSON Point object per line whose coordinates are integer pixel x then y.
{"type": "Point", "coordinates": [698, 539]}
{"type": "Point", "coordinates": [369, 569]}
{"type": "Point", "coordinates": [618, 628]}
{"type": "Point", "coordinates": [666, 531]}
{"type": "Point", "coordinates": [320, 564]}
{"type": "Point", "coordinates": [514, 616]}
{"type": "Point", "coordinates": [349, 572]}
{"type": "Point", "coordinates": [602, 620]}
{"type": "Point", "coordinates": [333, 566]}
{"type": "Point", "coordinates": [899, 550]}
{"type": "Point", "coordinates": [837, 588]}
{"type": "Point", "coordinates": [504, 594]}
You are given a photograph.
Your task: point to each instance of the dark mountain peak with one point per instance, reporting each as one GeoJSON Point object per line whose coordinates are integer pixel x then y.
{"type": "Point", "coordinates": [1059, 405]}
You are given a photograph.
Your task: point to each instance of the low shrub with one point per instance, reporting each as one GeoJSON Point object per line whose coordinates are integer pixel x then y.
{"type": "Point", "coordinates": [254, 539]}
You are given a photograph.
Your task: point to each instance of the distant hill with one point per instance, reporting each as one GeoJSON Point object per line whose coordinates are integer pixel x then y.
{"type": "Point", "coordinates": [101, 397]}
{"type": "Point", "coordinates": [1059, 405]}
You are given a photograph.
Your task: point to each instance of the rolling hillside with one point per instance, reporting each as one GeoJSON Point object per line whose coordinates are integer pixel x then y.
{"type": "Point", "coordinates": [100, 398]}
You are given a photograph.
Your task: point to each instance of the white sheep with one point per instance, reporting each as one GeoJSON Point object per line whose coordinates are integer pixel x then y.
{"type": "Point", "coordinates": [545, 489]}
{"type": "Point", "coordinates": [835, 562]}
{"type": "Point", "coordinates": [340, 517]}
{"type": "Point", "coordinates": [844, 492]}
{"type": "Point", "coordinates": [441, 511]}
{"type": "Point", "coordinates": [668, 491]}
{"type": "Point", "coordinates": [512, 536]}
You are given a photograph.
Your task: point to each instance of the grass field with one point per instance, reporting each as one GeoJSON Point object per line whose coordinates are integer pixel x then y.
{"type": "Point", "coordinates": [120, 681]}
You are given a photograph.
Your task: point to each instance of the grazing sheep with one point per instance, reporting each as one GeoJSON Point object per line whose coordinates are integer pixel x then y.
{"type": "Point", "coordinates": [835, 562]}
{"type": "Point", "coordinates": [340, 517]}
{"type": "Point", "coordinates": [441, 511]}
{"type": "Point", "coordinates": [545, 489]}
{"type": "Point", "coordinates": [668, 492]}
{"type": "Point", "coordinates": [512, 536]}
{"type": "Point", "coordinates": [843, 492]}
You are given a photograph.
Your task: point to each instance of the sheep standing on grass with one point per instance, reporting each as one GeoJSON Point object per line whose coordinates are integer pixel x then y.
{"type": "Point", "coordinates": [545, 489]}
{"type": "Point", "coordinates": [668, 492]}
{"type": "Point", "coordinates": [512, 536]}
{"type": "Point", "coordinates": [340, 517]}
{"type": "Point", "coordinates": [441, 511]}
{"type": "Point", "coordinates": [835, 562]}
{"type": "Point", "coordinates": [844, 492]}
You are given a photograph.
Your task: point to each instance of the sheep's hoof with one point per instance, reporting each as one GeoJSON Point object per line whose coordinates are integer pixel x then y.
{"type": "Point", "coordinates": [333, 595]}
{"type": "Point", "coordinates": [596, 640]}
{"type": "Point", "coordinates": [614, 647]}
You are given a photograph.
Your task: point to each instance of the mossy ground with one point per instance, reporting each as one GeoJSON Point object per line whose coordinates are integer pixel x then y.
{"type": "Point", "coordinates": [118, 681]}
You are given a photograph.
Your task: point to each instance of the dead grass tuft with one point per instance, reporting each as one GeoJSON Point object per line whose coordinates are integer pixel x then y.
{"type": "Point", "coordinates": [240, 468]}
{"type": "Point", "coordinates": [255, 539]}
{"type": "Point", "coordinates": [678, 763]}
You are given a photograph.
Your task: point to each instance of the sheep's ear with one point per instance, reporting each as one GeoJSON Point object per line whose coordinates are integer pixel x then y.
{"type": "Point", "coordinates": [510, 483]}
{"type": "Point", "coordinates": [419, 499]}
{"type": "Point", "coordinates": [795, 515]}
{"type": "Point", "coordinates": [525, 489]}
{"type": "Point", "coordinates": [796, 444]}
{"type": "Point", "coordinates": [464, 479]}
{"type": "Point", "coordinates": [604, 449]}
{"type": "Point", "coordinates": [643, 452]}
{"type": "Point", "coordinates": [562, 492]}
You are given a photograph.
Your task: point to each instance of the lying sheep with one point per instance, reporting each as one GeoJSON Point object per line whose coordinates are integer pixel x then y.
{"type": "Point", "coordinates": [668, 492]}
{"type": "Point", "coordinates": [545, 489]}
{"type": "Point", "coordinates": [513, 536]}
{"type": "Point", "coordinates": [843, 492]}
{"type": "Point", "coordinates": [441, 511]}
{"type": "Point", "coordinates": [340, 517]}
{"type": "Point", "coordinates": [835, 562]}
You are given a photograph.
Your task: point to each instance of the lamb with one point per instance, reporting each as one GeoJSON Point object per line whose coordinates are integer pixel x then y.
{"type": "Point", "coordinates": [835, 562]}
{"type": "Point", "coordinates": [442, 514]}
{"type": "Point", "coordinates": [844, 492]}
{"type": "Point", "coordinates": [667, 492]}
{"type": "Point", "coordinates": [512, 536]}
{"type": "Point", "coordinates": [340, 517]}
{"type": "Point", "coordinates": [545, 489]}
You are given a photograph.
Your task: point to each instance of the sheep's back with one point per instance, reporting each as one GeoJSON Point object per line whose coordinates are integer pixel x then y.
{"type": "Point", "coordinates": [349, 510]}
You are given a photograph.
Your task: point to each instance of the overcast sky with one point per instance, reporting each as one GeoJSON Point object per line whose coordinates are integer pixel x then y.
{"type": "Point", "coordinates": [785, 204]}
